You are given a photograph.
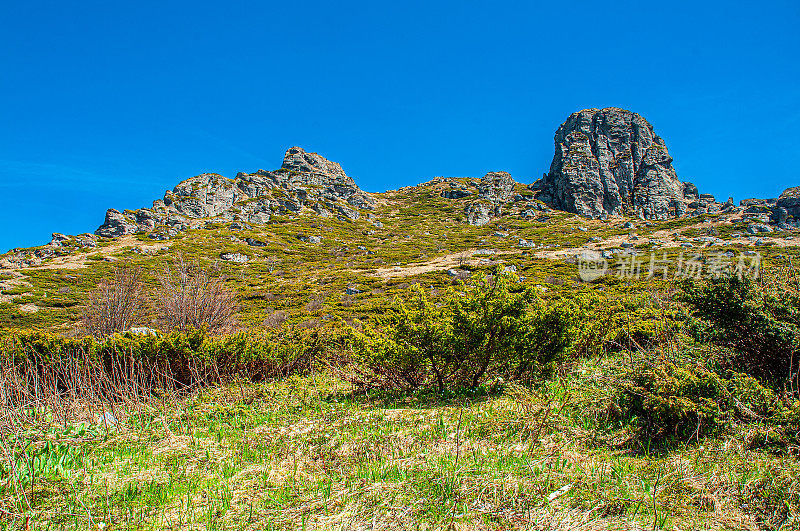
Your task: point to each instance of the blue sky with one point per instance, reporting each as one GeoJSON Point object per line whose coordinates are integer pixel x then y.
{"type": "Point", "coordinates": [108, 104]}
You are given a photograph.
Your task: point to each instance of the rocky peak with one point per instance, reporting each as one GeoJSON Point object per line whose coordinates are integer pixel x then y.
{"type": "Point", "coordinates": [298, 160]}
{"type": "Point", "coordinates": [304, 181]}
{"type": "Point", "coordinates": [611, 162]}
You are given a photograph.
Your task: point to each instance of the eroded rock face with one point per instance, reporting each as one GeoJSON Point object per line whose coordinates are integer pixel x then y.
{"type": "Point", "coordinates": [116, 224]}
{"type": "Point", "coordinates": [494, 190]}
{"type": "Point", "coordinates": [496, 187]}
{"type": "Point", "coordinates": [790, 201]}
{"type": "Point", "coordinates": [611, 162]}
{"type": "Point", "coordinates": [305, 180]}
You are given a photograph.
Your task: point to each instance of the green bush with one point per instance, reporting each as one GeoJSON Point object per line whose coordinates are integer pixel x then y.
{"type": "Point", "coordinates": [668, 399]}
{"type": "Point", "coordinates": [758, 327]}
{"type": "Point", "coordinates": [683, 399]}
{"type": "Point", "coordinates": [37, 363]}
{"type": "Point", "coordinates": [487, 329]}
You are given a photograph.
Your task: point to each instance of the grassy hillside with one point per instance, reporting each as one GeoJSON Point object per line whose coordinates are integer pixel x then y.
{"type": "Point", "coordinates": [411, 371]}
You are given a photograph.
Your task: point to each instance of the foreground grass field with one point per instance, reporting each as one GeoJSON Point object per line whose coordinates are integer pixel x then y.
{"type": "Point", "coordinates": [311, 453]}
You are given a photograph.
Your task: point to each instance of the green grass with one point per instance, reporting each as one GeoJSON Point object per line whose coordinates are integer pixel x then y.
{"type": "Point", "coordinates": [308, 452]}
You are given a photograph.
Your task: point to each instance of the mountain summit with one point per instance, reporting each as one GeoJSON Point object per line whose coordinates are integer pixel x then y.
{"type": "Point", "coordinates": [610, 162]}
{"type": "Point", "coordinates": [304, 181]}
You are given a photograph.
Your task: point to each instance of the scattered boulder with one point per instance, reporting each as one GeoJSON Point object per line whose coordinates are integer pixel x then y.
{"type": "Point", "coordinates": [235, 257]}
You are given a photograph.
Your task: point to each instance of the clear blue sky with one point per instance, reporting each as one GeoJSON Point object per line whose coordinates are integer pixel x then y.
{"type": "Point", "coordinates": [104, 104]}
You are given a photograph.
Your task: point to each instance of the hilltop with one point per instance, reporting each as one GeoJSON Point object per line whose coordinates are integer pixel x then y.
{"type": "Point", "coordinates": [306, 231]}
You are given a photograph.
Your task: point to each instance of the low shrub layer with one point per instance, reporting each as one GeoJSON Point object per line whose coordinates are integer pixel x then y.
{"type": "Point", "coordinates": [34, 365]}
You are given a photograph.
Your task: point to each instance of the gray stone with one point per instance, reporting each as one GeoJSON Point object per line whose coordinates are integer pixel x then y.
{"type": "Point", "coordinates": [116, 224]}
{"type": "Point", "coordinates": [790, 201]}
{"type": "Point", "coordinates": [478, 214]}
{"type": "Point", "coordinates": [756, 228]}
{"type": "Point", "coordinates": [497, 187]}
{"type": "Point", "coordinates": [611, 162]}
{"type": "Point", "coordinates": [235, 257]}
{"type": "Point", "coordinates": [305, 180]}
{"type": "Point", "coordinates": [456, 194]}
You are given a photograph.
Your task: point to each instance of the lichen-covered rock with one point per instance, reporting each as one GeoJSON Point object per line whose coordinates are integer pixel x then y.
{"type": "Point", "coordinates": [116, 224]}
{"type": "Point", "coordinates": [496, 187]}
{"type": "Point", "coordinates": [305, 180]}
{"type": "Point", "coordinates": [611, 162]}
{"type": "Point", "coordinates": [478, 214]}
{"type": "Point", "coordinates": [238, 258]}
{"type": "Point", "coordinates": [790, 201]}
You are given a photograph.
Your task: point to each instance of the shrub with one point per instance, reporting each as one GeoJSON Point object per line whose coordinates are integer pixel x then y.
{"type": "Point", "coordinates": [669, 399]}
{"type": "Point", "coordinates": [116, 304]}
{"type": "Point", "coordinates": [757, 326]}
{"type": "Point", "coordinates": [37, 366]}
{"type": "Point", "coordinates": [487, 330]}
{"type": "Point", "coordinates": [194, 297]}
{"type": "Point", "coordinates": [683, 399]}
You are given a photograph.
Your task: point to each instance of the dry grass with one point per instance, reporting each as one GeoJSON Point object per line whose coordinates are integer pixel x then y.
{"type": "Point", "coordinates": [306, 453]}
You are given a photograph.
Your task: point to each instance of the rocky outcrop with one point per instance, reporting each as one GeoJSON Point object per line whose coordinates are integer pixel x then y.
{"type": "Point", "coordinates": [494, 189]}
{"type": "Point", "coordinates": [304, 181]}
{"type": "Point", "coordinates": [611, 162]}
{"type": "Point", "coordinates": [116, 224]}
{"type": "Point", "coordinates": [788, 204]}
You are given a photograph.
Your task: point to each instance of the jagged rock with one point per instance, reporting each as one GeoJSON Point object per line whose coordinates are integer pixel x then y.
{"type": "Point", "coordinates": [116, 224]}
{"type": "Point", "coordinates": [496, 187]}
{"type": "Point", "coordinates": [790, 201]}
{"type": "Point", "coordinates": [611, 162]}
{"type": "Point", "coordinates": [304, 180]}
{"type": "Point", "coordinates": [478, 214]}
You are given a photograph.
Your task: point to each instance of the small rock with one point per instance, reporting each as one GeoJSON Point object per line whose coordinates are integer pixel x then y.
{"type": "Point", "coordinates": [235, 257]}
{"type": "Point", "coordinates": [756, 228]}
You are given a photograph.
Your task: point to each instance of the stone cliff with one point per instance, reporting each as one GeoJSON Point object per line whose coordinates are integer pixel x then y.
{"type": "Point", "coordinates": [610, 162]}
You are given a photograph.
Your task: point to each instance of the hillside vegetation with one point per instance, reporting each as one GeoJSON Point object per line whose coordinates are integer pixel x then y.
{"type": "Point", "coordinates": [405, 369]}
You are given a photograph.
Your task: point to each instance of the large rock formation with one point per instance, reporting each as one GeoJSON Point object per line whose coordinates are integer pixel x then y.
{"type": "Point", "coordinates": [611, 162]}
{"type": "Point", "coordinates": [494, 189]}
{"type": "Point", "coordinates": [304, 181]}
